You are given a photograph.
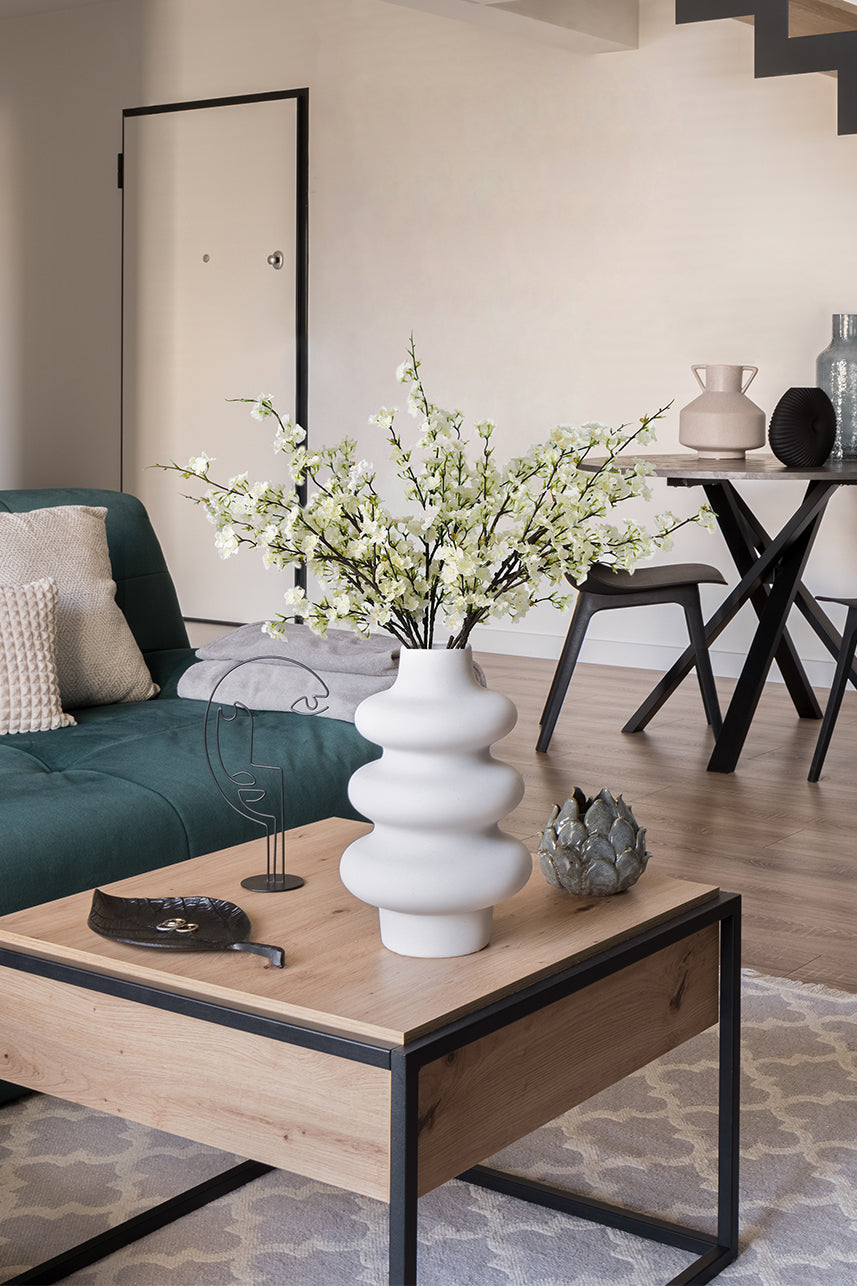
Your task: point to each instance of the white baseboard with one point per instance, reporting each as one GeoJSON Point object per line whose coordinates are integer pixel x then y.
{"type": "Point", "coordinates": [642, 656]}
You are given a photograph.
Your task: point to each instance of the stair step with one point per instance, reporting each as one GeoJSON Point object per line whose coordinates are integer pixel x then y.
{"type": "Point", "coordinates": [790, 39]}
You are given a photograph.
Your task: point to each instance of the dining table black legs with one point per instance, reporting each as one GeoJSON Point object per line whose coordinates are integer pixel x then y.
{"type": "Point", "coordinates": [770, 569]}
{"type": "Point", "coordinates": [766, 646]}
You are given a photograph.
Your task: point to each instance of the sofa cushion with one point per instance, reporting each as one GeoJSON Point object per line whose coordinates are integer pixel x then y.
{"type": "Point", "coordinates": [98, 660]}
{"type": "Point", "coordinates": [144, 589]}
{"type": "Point", "coordinates": [29, 692]}
{"type": "Point", "coordinates": [129, 789]}
{"type": "Point", "coordinates": [69, 831]}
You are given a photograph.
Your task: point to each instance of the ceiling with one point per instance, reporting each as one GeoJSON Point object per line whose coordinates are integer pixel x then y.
{"type": "Point", "coordinates": [535, 9]}
{"type": "Point", "coordinates": [586, 26]}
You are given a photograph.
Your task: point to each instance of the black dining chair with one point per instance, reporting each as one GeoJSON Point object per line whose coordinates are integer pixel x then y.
{"type": "Point", "coordinates": [605, 590]}
{"type": "Point", "coordinates": [844, 663]}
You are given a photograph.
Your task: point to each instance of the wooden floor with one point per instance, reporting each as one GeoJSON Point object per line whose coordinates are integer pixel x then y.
{"type": "Point", "coordinates": [788, 846]}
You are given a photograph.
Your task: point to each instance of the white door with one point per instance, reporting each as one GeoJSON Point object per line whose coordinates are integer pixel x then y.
{"type": "Point", "coordinates": [212, 310]}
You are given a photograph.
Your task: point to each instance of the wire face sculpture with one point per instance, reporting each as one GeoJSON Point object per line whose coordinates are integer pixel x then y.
{"type": "Point", "coordinates": [257, 790]}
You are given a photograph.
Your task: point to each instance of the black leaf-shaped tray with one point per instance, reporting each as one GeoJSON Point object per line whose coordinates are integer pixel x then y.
{"type": "Point", "coordinates": [177, 924]}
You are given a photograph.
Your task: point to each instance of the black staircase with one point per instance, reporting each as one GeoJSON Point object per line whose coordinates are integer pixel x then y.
{"type": "Point", "coordinates": [778, 54]}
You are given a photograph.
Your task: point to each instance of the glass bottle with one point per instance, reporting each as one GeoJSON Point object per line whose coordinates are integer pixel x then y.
{"type": "Point", "coordinates": [836, 373]}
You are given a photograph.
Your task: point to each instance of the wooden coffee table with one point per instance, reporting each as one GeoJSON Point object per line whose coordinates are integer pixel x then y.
{"type": "Point", "coordinates": [374, 1072]}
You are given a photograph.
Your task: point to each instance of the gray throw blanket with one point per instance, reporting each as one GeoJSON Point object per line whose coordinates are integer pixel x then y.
{"type": "Point", "coordinates": [349, 666]}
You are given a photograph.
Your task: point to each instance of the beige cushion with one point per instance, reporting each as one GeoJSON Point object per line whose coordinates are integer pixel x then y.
{"type": "Point", "coordinates": [29, 693]}
{"type": "Point", "coordinates": [98, 660]}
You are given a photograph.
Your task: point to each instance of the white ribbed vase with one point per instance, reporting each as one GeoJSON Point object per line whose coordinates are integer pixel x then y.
{"type": "Point", "coordinates": [436, 861]}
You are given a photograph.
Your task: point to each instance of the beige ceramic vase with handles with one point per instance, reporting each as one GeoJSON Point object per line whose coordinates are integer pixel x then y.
{"type": "Point", "coordinates": [722, 423]}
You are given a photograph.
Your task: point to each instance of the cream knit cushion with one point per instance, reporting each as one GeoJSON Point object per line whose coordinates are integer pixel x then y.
{"type": "Point", "coordinates": [29, 694]}
{"type": "Point", "coordinates": [98, 660]}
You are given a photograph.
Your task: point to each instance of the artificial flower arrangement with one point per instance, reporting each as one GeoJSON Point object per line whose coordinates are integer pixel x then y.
{"type": "Point", "coordinates": [476, 540]}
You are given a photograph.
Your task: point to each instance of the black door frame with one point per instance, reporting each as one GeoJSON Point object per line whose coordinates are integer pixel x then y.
{"type": "Point", "coordinates": [301, 97]}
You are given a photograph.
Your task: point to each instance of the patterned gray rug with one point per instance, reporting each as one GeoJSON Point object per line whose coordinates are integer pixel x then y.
{"type": "Point", "coordinates": [66, 1173]}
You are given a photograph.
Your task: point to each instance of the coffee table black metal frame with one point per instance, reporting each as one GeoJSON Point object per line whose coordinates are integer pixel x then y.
{"type": "Point", "coordinates": [714, 1251]}
{"type": "Point", "coordinates": [770, 570]}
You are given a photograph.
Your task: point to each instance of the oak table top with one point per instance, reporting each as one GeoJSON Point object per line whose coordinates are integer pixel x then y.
{"type": "Point", "coordinates": [338, 977]}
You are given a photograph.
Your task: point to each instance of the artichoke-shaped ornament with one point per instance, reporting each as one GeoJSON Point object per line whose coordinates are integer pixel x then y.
{"type": "Point", "coordinates": [593, 847]}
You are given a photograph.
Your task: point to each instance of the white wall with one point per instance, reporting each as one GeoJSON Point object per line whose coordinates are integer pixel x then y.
{"type": "Point", "coordinates": [64, 78]}
{"type": "Point", "coordinates": [10, 346]}
{"type": "Point", "coordinates": [565, 235]}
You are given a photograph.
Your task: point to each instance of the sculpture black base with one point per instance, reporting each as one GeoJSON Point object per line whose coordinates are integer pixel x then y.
{"type": "Point", "coordinates": [276, 884]}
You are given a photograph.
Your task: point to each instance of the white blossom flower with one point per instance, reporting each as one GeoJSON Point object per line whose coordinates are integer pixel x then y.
{"type": "Point", "coordinates": [373, 530]}
{"type": "Point", "coordinates": [357, 474]}
{"type": "Point", "coordinates": [471, 540]}
{"type": "Point", "coordinates": [383, 418]}
{"type": "Point", "coordinates": [324, 509]}
{"type": "Point", "coordinates": [296, 599]}
{"type": "Point", "coordinates": [262, 407]}
{"type": "Point", "coordinates": [288, 435]}
{"type": "Point", "coordinates": [275, 629]}
{"type": "Point", "coordinates": [226, 541]}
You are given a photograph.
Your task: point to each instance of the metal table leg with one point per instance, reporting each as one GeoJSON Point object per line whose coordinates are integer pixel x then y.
{"type": "Point", "coordinates": [763, 650]}
{"type": "Point", "coordinates": [746, 541]}
{"type": "Point", "coordinates": [780, 560]}
{"type": "Point", "coordinates": [404, 1138]}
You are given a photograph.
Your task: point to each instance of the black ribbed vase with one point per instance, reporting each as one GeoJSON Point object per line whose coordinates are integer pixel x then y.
{"type": "Point", "coordinates": [802, 428]}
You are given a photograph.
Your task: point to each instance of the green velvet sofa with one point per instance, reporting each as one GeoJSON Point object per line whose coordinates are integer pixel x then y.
{"type": "Point", "coordinates": [128, 788]}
